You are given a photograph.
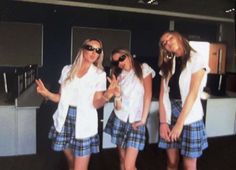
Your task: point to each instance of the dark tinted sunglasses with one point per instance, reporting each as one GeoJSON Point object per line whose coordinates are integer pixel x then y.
{"type": "Point", "coordinates": [121, 58]}
{"type": "Point", "coordinates": [91, 48]}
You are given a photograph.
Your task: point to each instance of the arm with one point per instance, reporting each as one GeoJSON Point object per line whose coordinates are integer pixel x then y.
{"type": "Point", "coordinates": [147, 97]}
{"type": "Point", "coordinates": [195, 83]}
{"type": "Point", "coordinates": [42, 90]}
{"type": "Point", "coordinates": [164, 127]}
{"type": "Point", "coordinates": [100, 98]}
{"type": "Point", "coordinates": [147, 82]}
{"type": "Point", "coordinates": [162, 113]}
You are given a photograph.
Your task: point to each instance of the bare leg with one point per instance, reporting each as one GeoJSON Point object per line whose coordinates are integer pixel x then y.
{"type": "Point", "coordinates": [190, 163]}
{"type": "Point", "coordinates": [81, 163]}
{"type": "Point", "coordinates": [70, 158]}
{"type": "Point", "coordinates": [122, 158]}
{"type": "Point", "coordinates": [172, 159]}
{"type": "Point", "coordinates": [130, 158]}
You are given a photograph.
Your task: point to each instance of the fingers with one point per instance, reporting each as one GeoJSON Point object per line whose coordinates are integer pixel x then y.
{"type": "Point", "coordinates": [173, 136]}
{"type": "Point", "coordinates": [109, 80]}
{"type": "Point", "coordinates": [135, 125]}
{"type": "Point", "coordinates": [165, 131]}
{"type": "Point", "coordinates": [39, 83]}
{"type": "Point", "coordinates": [114, 77]}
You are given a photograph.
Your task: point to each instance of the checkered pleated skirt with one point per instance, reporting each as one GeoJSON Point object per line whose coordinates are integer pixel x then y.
{"type": "Point", "coordinates": [123, 135]}
{"type": "Point", "coordinates": [66, 138]}
{"type": "Point", "coordinates": [193, 139]}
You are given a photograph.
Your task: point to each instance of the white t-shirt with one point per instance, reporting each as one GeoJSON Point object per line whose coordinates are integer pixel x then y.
{"type": "Point", "coordinates": [195, 64]}
{"type": "Point", "coordinates": [80, 92]}
{"type": "Point", "coordinates": [132, 94]}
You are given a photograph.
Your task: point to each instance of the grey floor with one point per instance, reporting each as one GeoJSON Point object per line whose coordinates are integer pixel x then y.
{"type": "Point", "coordinates": [220, 155]}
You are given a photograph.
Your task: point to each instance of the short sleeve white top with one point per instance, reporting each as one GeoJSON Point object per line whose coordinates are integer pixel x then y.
{"type": "Point", "coordinates": [132, 94]}
{"type": "Point", "coordinates": [195, 64]}
{"type": "Point", "coordinates": [79, 92]}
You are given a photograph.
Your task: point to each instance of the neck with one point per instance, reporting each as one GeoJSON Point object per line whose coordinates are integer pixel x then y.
{"type": "Point", "coordinates": [84, 68]}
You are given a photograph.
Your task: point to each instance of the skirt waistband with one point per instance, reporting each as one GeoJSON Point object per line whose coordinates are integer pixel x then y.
{"type": "Point", "coordinates": [72, 107]}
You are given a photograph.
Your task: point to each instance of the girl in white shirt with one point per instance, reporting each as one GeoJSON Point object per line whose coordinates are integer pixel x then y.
{"type": "Point", "coordinates": [82, 91]}
{"type": "Point", "coordinates": [183, 72]}
{"type": "Point", "coordinates": [126, 124]}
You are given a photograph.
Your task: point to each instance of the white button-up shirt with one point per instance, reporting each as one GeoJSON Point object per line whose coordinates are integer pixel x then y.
{"type": "Point", "coordinates": [79, 92]}
{"type": "Point", "coordinates": [132, 93]}
{"type": "Point", "coordinates": [195, 64]}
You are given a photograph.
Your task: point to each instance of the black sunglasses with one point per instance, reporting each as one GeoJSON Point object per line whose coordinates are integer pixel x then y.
{"type": "Point", "coordinates": [121, 58]}
{"type": "Point", "coordinates": [91, 48]}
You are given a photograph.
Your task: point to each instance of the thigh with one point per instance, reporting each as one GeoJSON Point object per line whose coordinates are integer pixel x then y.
{"type": "Point", "coordinates": [189, 163]}
{"type": "Point", "coordinates": [81, 162]}
{"type": "Point", "coordinates": [121, 153]}
{"type": "Point", "coordinates": [173, 155]}
{"type": "Point", "coordinates": [131, 156]}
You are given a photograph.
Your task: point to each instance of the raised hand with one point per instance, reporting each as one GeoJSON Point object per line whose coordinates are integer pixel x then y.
{"type": "Point", "coordinates": [41, 89]}
{"type": "Point", "coordinates": [114, 87]}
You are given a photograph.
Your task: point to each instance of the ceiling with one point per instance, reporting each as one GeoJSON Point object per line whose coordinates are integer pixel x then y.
{"type": "Point", "coordinates": [199, 9]}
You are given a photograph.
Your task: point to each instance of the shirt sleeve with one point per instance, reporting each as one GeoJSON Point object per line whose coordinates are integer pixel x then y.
{"type": "Point", "coordinates": [64, 73]}
{"type": "Point", "coordinates": [147, 70]}
{"type": "Point", "coordinates": [101, 83]}
{"type": "Point", "coordinates": [198, 63]}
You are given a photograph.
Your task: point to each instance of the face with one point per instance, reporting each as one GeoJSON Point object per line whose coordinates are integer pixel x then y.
{"type": "Point", "coordinates": [122, 61]}
{"type": "Point", "coordinates": [171, 43]}
{"type": "Point", "coordinates": [92, 51]}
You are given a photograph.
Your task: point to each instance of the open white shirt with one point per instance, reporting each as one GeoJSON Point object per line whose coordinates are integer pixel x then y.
{"type": "Point", "coordinates": [79, 92]}
{"type": "Point", "coordinates": [195, 64]}
{"type": "Point", "coordinates": [132, 94]}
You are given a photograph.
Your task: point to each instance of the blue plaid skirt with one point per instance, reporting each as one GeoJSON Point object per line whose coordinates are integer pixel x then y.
{"type": "Point", "coordinates": [193, 139]}
{"type": "Point", "coordinates": [66, 138]}
{"type": "Point", "coordinates": [123, 135]}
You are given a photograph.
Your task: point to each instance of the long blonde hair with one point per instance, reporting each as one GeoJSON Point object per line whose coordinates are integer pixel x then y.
{"type": "Point", "coordinates": [76, 66]}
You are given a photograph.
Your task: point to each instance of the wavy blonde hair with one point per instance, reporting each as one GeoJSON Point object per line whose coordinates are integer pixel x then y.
{"type": "Point", "coordinates": [76, 66]}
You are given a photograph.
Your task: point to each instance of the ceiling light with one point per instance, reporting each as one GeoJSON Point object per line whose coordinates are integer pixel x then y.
{"type": "Point", "coordinates": [149, 2]}
{"type": "Point", "coordinates": [230, 10]}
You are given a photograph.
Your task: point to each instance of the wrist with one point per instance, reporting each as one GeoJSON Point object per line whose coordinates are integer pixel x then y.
{"type": "Point", "coordinates": [163, 123]}
{"type": "Point", "coordinates": [118, 98]}
{"type": "Point", "coordinates": [47, 97]}
{"type": "Point", "coordinates": [106, 97]}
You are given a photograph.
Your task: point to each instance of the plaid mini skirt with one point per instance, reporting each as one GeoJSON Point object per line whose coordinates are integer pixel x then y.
{"type": "Point", "coordinates": [123, 135]}
{"type": "Point", "coordinates": [193, 139]}
{"type": "Point", "coordinates": [66, 138]}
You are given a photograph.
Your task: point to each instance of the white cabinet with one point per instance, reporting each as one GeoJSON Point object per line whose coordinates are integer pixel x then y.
{"type": "Point", "coordinates": [18, 125]}
{"type": "Point", "coordinates": [7, 130]}
{"type": "Point", "coordinates": [220, 117]}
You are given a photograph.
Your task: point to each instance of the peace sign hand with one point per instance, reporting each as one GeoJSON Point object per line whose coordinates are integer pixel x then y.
{"type": "Point", "coordinates": [41, 89]}
{"type": "Point", "coordinates": [114, 87]}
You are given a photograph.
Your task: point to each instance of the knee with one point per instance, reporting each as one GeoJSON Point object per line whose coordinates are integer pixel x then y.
{"type": "Point", "coordinates": [173, 164]}
{"type": "Point", "coordinates": [189, 163]}
{"type": "Point", "coordinates": [129, 166]}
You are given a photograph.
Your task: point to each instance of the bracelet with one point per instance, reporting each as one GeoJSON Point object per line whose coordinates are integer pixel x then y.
{"type": "Point", "coordinates": [163, 123]}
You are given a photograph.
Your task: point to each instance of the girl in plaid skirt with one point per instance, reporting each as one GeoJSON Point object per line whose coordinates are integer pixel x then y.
{"type": "Point", "coordinates": [83, 83]}
{"type": "Point", "coordinates": [126, 125]}
{"type": "Point", "coordinates": [183, 72]}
